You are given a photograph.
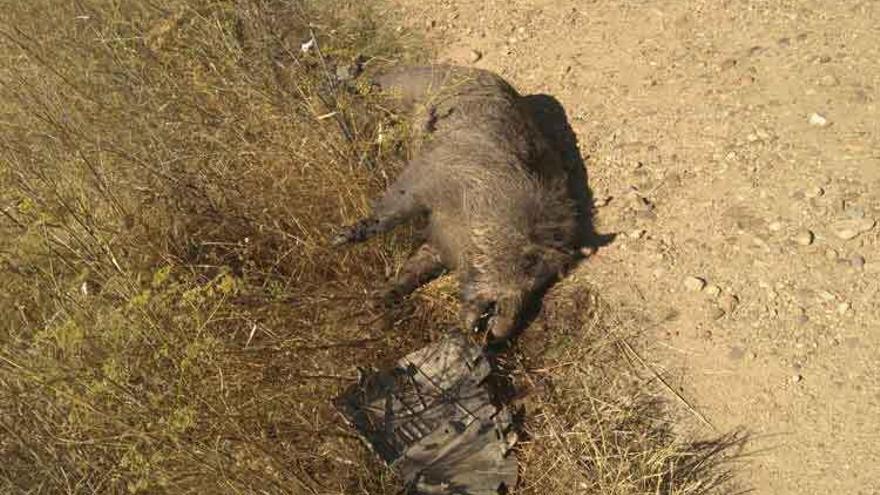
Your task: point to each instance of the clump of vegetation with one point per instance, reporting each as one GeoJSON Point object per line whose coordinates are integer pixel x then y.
{"type": "Point", "coordinates": [174, 320]}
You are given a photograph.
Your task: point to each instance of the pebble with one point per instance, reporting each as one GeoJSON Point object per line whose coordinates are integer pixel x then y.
{"type": "Point", "coordinates": [713, 290]}
{"type": "Point", "coordinates": [804, 237]}
{"type": "Point", "coordinates": [843, 307]}
{"type": "Point", "coordinates": [637, 234]}
{"type": "Point", "coordinates": [851, 228]}
{"type": "Point", "coordinates": [475, 56]}
{"type": "Point", "coordinates": [601, 201]}
{"type": "Point", "coordinates": [716, 313]}
{"type": "Point", "coordinates": [797, 378]}
{"type": "Point", "coordinates": [694, 284]}
{"type": "Point", "coordinates": [818, 120]}
{"type": "Point", "coordinates": [857, 262]}
{"type": "Point", "coordinates": [728, 302]}
{"type": "Point", "coordinates": [814, 192]}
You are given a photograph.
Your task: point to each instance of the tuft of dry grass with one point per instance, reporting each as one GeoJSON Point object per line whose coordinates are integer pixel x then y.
{"type": "Point", "coordinates": [174, 320]}
{"type": "Point", "coordinates": [599, 421]}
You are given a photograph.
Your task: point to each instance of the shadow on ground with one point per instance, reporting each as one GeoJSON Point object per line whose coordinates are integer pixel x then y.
{"type": "Point", "coordinates": [549, 114]}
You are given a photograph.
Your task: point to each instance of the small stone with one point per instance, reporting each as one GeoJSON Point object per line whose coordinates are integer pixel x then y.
{"type": "Point", "coordinates": [713, 290]}
{"type": "Point", "coordinates": [849, 229]}
{"type": "Point", "coordinates": [694, 284]}
{"type": "Point", "coordinates": [797, 378]}
{"type": "Point", "coordinates": [475, 56]}
{"type": "Point", "coordinates": [814, 192]}
{"type": "Point", "coordinates": [804, 237]}
{"type": "Point", "coordinates": [728, 302]}
{"type": "Point", "coordinates": [843, 307]}
{"type": "Point", "coordinates": [601, 201]}
{"type": "Point", "coordinates": [818, 120]}
{"type": "Point", "coordinates": [431, 23]}
{"type": "Point", "coordinates": [637, 234]}
{"type": "Point", "coordinates": [857, 262]}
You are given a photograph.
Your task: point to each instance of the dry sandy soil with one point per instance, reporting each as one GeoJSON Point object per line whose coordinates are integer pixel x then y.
{"type": "Point", "coordinates": [696, 122]}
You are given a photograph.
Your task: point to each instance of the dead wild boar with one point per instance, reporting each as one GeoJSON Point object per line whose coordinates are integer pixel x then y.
{"type": "Point", "coordinates": [493, 191]}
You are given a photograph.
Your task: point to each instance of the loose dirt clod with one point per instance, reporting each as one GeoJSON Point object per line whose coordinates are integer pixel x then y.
{"type": "Point", "coordinates": [694, 284]}
{"type": "Point", "coordinates": [803, 237]}
{"type": "Point", "coordinates": [851, 228]}
{"type": "Point", "coordinates": [712, 290]}
{"type": "Point", "coordinates": [728, 302]}
{"type": "Point", "coordinates": [817, 120]}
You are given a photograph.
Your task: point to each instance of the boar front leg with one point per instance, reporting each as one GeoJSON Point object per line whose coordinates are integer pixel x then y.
{"type": "Point", "coordinates": [397, 205]}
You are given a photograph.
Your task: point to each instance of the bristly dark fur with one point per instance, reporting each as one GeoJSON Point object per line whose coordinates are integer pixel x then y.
{"type": "Point", "coordinates": [493, 189]}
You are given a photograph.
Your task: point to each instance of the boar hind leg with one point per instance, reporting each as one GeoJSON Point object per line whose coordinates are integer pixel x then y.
{"type": "Point", "coordinates": [422, 267]}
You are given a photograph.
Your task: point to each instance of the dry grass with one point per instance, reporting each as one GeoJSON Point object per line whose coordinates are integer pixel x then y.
{"type": "Point", "coordinates": [174, 321]}
{"type": "Point", "coordinates": [598, 420]}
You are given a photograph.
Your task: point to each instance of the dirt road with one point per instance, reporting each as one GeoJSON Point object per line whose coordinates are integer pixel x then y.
{"type": "Point", "coordinates": [734, 148]}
